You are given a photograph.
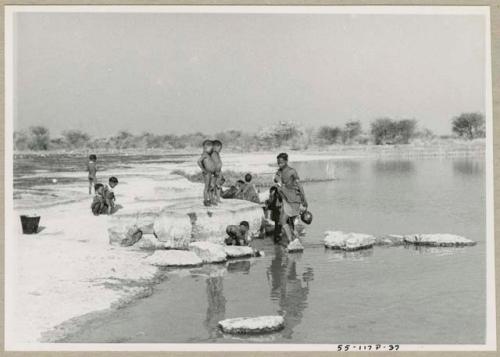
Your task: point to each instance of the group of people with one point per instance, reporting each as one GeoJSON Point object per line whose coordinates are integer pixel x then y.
{"type": "Point", "coordinates": [244, 189]}
{"type": "Point", "coordinates": [104, 199]}
{"type": "Point", "coordinates": [287, 200]}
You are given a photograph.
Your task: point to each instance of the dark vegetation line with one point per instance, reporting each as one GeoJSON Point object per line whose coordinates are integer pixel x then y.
{"type": "Point", "coordinates": [382, 131]}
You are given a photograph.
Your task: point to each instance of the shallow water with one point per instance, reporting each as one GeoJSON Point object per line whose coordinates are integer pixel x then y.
{"type": "Point", "coordinates": [403, 295]}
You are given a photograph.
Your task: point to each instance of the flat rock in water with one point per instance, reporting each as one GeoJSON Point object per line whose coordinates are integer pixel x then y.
{"type": "Point", "coordinates": [295, 246]}
{"type": "Point", "coordinates": [238, 251]}
{"type": "Point", "coordinates": [389, 240]}
{"type": "Point", "coordinates": [348, 241]}
{"type": "Point", "coordinates": [438, 240]}
{"type": "Point", "coordinates": [209, 252]}
{"type": "Point", "coordinates": [252, 325]}
{"type": "Point", "coordinates": [174, 258]}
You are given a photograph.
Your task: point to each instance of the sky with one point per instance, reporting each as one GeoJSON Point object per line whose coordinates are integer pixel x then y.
{"type": "Point", "coordinates": [179, 73]}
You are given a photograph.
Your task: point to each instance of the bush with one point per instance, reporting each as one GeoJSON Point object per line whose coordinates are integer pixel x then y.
{"type": "Point", "coordinates": [352, 130]}
{"type": "Point", "coordinates": [469, 125]}
{"type": "Point", "coordinates": [39, 138]}
{"type": "Point", "coordinates": [21, 140]}
{"type": "Point", "coordinates": [76, 138]}
{"type": "Point", "coordinates": [387, 131]}
{"type": "Point", "coordinates": [329, 135]}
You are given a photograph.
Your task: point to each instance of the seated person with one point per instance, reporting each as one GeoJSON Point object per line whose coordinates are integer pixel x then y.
{"type": "Point", "coordinates": [99, 205]}
{"type": "Point", "coordinates": [238, 235]}
{"type": "Point", "coordinates": [109, 194]}
{"type": "Point", "coordinates": [240, 186]}
{"type": "Point", "coordinates": [249, 191]}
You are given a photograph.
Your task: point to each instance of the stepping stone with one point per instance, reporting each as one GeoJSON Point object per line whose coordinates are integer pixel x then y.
{"type": "Point", "coordinates": [239, 251]}
{"type": "Point", "coordinates": [174, 258]}
{"type": "Point", "coordinates": [438, 240]}
{"type": "Point", "coordinates": [209, 252]}
{"type": "Point", "coordinates": [295, 246]}
{"type": "Point", "coordinates": [348, 241]}
{"type": "Point", "coordinates": [252, 325]}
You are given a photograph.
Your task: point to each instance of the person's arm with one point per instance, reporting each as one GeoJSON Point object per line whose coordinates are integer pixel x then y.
{"type": "Point", "coordinates": [200, 163]}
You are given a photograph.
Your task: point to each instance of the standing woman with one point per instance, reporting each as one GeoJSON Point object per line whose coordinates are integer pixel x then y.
{"type": "Point", "coordinates": [292, 195]}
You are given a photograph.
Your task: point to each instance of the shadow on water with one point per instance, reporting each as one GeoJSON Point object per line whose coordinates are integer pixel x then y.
{"type": "Point", "coordinates": [288, 288]}
{"type": "Point", "coordinates": [468, 167]}
{"type": "Point", "coordinates": [437, 251]}
{"type": "Point", "coordinates": [391, 167]}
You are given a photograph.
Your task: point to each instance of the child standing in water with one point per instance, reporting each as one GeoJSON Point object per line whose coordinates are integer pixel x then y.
{"type": "Point", "coordinates": [207, 167]}
{"type": "Point", "coordinates": [217, 182]}
{"type": "Point", "coordinates": [92, 170]}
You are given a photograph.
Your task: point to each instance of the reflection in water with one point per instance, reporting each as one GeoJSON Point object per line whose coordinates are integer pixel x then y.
{"type": "Point", "coordinates": [438, 251]}
{"type": "Point", "coordinates": [240, 266]}
{"type": "Point", "coordinates": [468, 167]}
{"type": "Point", "coordinates": [288, 289]}
{"type": "Point", "coordinates": [393, 167]}
{"type": "Point", "coordinates": [358, 255]}
{"type": "Point", "coordinates": [216, 309]}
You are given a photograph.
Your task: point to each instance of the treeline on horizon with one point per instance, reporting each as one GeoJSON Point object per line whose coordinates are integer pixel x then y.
{"type": "Point", "coordinates": [382, 131]}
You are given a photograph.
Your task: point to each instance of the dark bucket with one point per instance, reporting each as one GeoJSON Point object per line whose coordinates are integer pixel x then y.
{"type": "Point", "coordinates": [30, 224]}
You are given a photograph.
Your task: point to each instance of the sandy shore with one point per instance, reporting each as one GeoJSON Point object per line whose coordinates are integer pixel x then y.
{"type": "Point", "coordinates": [69, 269]}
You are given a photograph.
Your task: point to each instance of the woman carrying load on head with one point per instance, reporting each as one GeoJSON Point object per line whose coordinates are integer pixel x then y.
{"type": "Point", "coordinates": [292, 195]}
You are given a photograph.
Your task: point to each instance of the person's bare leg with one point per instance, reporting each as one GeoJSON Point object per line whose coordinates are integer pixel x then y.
{"type": "Point", "coordinates": [206, 189]}
{"type": "Point", "coordinates": [286, 235]}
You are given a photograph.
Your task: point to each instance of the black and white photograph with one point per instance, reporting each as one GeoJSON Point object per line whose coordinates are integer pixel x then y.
{"type": "Point", "coordinates": [248, 178]}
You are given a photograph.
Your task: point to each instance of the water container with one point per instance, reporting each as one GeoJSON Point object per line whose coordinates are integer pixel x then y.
{"type": "Point", "coordinates": [30, 224]}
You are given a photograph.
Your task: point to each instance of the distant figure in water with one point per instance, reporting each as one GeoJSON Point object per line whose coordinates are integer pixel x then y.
{"type": "Point", "coordinates": [217, 179]}
{"type": "Point", "coordinates": [238, 235]}
{"type": "Point", "coordinates": [109, 194]}
{"type": "Point", "coordinates": [293, 199]}
{"type": "Point", "coordinates": [92, 170]}
{"type": "Point", "coordinates": [207, 166]}
{"type": "Point", "coordinates": [99, 205]}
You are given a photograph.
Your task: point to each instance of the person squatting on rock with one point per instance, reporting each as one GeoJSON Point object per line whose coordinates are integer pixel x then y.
{"type": "Point", "coordinates": [293, 199]}
{"type": "Point", "coordinates": [218, 180]}
{"type": "Point", "coordinates": [92, 170]}
{"type": "Point", "coordinates": [207, 165]}
{"type": "Point", "coordinates": [238, 234]}
{"type": "Point", "coordinates": [99, 205]}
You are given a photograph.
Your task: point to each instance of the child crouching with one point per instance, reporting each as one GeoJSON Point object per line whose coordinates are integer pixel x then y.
{"type": "Point", "coordinates": [238, 235]}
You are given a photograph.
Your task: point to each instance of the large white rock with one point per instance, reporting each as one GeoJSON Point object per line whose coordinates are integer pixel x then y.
{"type": "Point", "coordinates": [174, 258]}
{"type": "Point", "coordinates": [150, 242]}
{"type": "Point", "coordinates": [438, 240]}
{"type": "Point", "coordinates": [295, 246]}
{"type": "Point", "coordinates": [348, 241]}
{"type": "Point", "coordinates": [239, 251]}
{"type": "Point", "coordinates": [125, 236]}
{"type": "Point", "coordinates": [173, 228]}
{"type": "Point", "coordinates": [209, 252]}
{"type": "Point", "coordinates": [252, 325]}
